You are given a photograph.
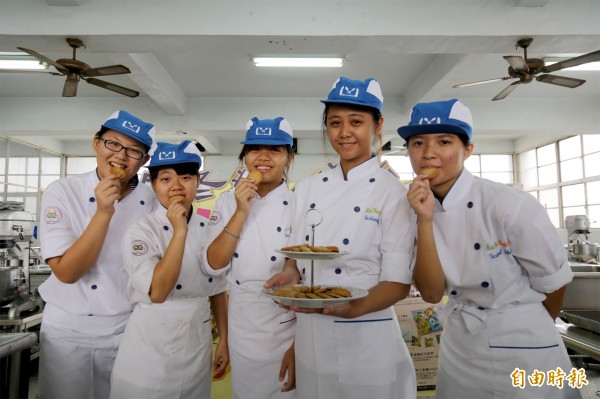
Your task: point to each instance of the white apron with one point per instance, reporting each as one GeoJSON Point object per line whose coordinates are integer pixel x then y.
{"type": "Point", "coordinates": [175, 333]}
{"type": "Point", "coordinates": [259, 331]}
{"type": "Point", "coordinates": [500, 253]}
{"type": "Point", "coordinates": [368, 216]}
{"type": "Point", "coordinates": [254, 318]}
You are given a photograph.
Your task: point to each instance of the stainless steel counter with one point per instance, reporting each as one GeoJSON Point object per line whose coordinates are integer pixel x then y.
{"type": "Point", "coordinates": [11, 344]}
{"type": "Point", "coordinates": [580, 340]}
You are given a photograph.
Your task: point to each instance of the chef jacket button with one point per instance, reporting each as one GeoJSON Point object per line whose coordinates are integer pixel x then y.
{"type": "Point", "coordinates": [453, 292]}
{"type": "Point", "coordinates": [273, 258]}
{"type": "Point", "coordinates": [372, 180]}
{"type": "Point", "coordinates": [480, 308]}
{"type": "Point", "coordinates": [307, 238]}
{"type": "Point", "coordinates": [346, 241]}
{"type": "Point", "coordinates": [470, 204]}
{"type": "Point", "coordinates": [91, 314]}
{"type": "Point", "coordinates": [278, 229]}
{"type": "Point", "coordinates": [338, 270]}
{"type": "Point", "coordinates": [312, 206]}
{"type": "Point", "coordinates": [303, 270]}
{"type": "Point", "coordinates": [201, 224]}
{"type": "Point", "coordinates": [356, 209]}
{"type": "Point", "coordinates": [92, 199]}
{"type": "Point", "coordinates": [94, 286]}
{"type": "Point", "coordinates": [166, 228]}
{"type": "Point", "coordinates": [210, 279]}
{"type": "Point", "coordinates": [485, 284]}
{"type": "Point", "coordinates": [178, 286]}
{"type": "Point", "coordinates": [325, 178]}
{"type": "Point", "coordinates": [285, 202]}
{"type": "Point", "coordinates": [477, 246]}
{"type": "Point", "coordinates": [142, 202]}
{"type": "Point", "coordinates": [235, 255]}
{"type": "Point", "coordinates": [237, 282]}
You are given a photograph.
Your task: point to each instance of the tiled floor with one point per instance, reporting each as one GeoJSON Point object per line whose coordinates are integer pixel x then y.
{"type": "Point", "coordinates": [590, 391]}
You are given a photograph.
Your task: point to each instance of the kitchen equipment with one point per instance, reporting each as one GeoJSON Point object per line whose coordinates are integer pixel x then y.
{"type": "Point", "coordinates": [578, 230]}
{"type": "Point", "coordinates": [583, 292]}
{"type": "Point", "coordinates": [586, 319]}
{"type": "Point", "coordinates": [16, 232]}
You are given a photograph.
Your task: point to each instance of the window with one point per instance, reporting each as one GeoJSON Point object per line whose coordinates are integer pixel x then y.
{"type": "Point", "coordinates": [494, 167]}
{"type": "Point", "coordinates": [570, 186]}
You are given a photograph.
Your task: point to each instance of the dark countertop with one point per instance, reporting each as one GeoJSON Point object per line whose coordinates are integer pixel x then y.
{"type": "Point", "coordinates": [15, 342]}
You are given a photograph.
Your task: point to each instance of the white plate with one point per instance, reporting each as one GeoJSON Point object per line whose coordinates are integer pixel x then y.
{"type": "Point", "coordinates": [316, 303]}
{"type": "Point", "coordinates": [312, 255]}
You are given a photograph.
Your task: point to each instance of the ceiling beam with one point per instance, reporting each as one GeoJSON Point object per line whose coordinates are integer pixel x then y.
{"type": "Point", "coordinates": [152, 77]}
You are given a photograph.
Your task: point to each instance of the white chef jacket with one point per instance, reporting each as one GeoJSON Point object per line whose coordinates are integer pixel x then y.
{"type": "Point", "coordinates": [368, 216]}
{"type": "Point", "coordinates": [166, 349]}
{"type": "Point", "coordinates": [259, 330]}
{"type": "Point", "coordinates": [84, 319]}
{"type": "Point", "coordinates": [500, 253]}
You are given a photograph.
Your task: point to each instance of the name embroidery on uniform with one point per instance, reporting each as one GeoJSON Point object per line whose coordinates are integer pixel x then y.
{"type": "Point", "coordinates": [215, 218]}
{"type": "Point", "coordinates": [53, 215]}
{"type": "Point", "coordinates": [373, 214]}
{"type": "Point", "coordinates": [138, 247]}
{"type": "Point", "coordinates": [499, 248]}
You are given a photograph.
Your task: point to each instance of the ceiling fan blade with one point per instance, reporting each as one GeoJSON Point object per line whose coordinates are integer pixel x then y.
{"type": "Point", "coordinates": [106, 71]}
{"type": "Point", "coordinates": [70, 88]}
{"type": "Point", "coordinates": [506, 91]}
{"type": "Point", "coordinates": [45, 59]}
{"type": "Point", "coordinates": [517, 63]}
{"type": "Point", "coordinates": [560, 81]}
{"type": "Point", "coordinates": [571, 62]}
{"type": "Point", "coordinates": [481, 82]}
{"type": "Point", "coordinates": [113, 87]}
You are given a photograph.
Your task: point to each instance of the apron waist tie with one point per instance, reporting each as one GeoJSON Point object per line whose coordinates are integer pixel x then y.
{"type": "Point", "coordinates": [472, 315]}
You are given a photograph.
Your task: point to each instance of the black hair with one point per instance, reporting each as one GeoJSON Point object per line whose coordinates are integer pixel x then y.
{"type": "Point", "coordinates": [104, 129]}
{"type": "Point", "coordinates": [188, 168]}
{"type": "Point", "coordinates": [375, 113]}
{"type": "Point", "coordinates": [465, 140]}
{"type": "Point", "coordinates": [249, 147]}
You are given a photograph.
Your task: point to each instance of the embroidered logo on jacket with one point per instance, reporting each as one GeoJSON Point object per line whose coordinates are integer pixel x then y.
{"type": "Point", "coordinates": [373, 214]}
{"type": "Point", "coordinates": [53, 215]}
{"type": "Point", "coordinates": [495, 249]}
{"type": "Point", "coordinates": [215, 218]}
{"type": "Point", "coordinates": [138, 247]}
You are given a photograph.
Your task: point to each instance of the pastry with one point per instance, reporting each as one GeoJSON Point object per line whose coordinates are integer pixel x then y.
{"type": "Point", "coordinates": [176, 198]}
{"type": "Point", "coordinates": [256, 176]}
{"type": "Point", "coordinates": [117, 171]}
{"type": "Point", "coordinates": [430, 172]}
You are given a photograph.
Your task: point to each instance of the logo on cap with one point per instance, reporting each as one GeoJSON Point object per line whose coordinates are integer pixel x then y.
{"type": "Point", "coordinates": [435, 120]}
{"type": "Point", "coordinates": [263, 131]}
{"type": "Point", "coordinates": [346, 91]}
{"type": "Point", "coordinates": [130, 126]}
{"type": "Point", "coordinates": [166, 155]}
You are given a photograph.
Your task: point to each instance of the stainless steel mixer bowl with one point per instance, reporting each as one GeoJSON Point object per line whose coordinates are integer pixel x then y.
{"type": "Point", "coordinates": [8, 284]}
{"type": "Point", "coordinates": [584, 252]}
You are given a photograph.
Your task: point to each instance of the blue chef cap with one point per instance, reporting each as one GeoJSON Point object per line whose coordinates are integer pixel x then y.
{"type": "Point", "coordinates": [132, 126]}
{"type": "Point", "coordinates": [172, 154]}
{"type": "Point", "coordinates": [348, 91]}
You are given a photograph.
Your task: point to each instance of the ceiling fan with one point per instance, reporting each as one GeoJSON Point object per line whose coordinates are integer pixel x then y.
{"type": "Point", "coordinates": [76, 70]}
{"type": "Point", "coordinates": [527, 69]}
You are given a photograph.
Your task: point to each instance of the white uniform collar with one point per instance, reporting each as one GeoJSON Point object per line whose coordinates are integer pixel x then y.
{"type": "Point", "coordinates": [359, 170]}
{"type": "Point", "coordinates": [278, 191]}
{"type": "Point", "coordinates": [459, 192]}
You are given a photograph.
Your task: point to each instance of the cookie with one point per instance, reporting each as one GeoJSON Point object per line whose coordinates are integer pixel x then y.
{"type": "Point", "coordinates": [430, 172]}
{"type": "Point", "coordinates": [256, 176]}
{"type": "Point", "coordinates": [176, 198]}
{"type": "Point", "coordinates": [117, 171]}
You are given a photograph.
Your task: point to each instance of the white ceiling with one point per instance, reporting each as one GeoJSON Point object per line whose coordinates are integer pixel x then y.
{"type": "Point", "coordinates": [190, 60]}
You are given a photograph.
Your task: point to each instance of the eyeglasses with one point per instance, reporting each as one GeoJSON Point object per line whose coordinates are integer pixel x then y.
{"type": "Point", "coordinates": [117, 147]}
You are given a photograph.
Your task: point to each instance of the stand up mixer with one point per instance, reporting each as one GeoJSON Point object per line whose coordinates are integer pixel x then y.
{"type": "Point", "coordinates": [578, 230]}
{"type": "Point", "coordinates": [16, 231]}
